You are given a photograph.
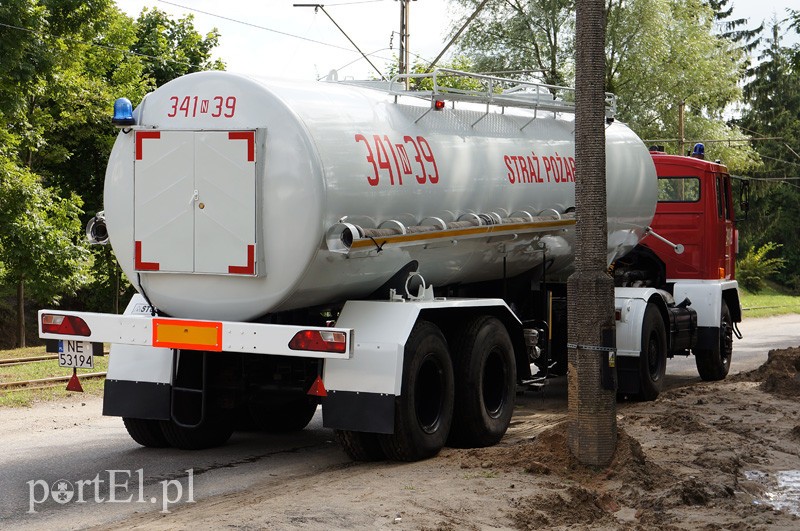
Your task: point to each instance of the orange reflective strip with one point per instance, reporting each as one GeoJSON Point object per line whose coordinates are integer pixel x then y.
{"type": "Point", "coordinates": [188, 335]}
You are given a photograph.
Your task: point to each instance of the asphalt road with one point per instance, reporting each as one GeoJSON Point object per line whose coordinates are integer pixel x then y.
{"type": "Point", "coordinates": [64, 465]}
{"type": "Point", "coordinates": [759, 337]}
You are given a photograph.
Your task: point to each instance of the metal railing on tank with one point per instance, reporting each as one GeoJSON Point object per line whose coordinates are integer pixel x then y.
{"type": "Point", "coordinates": [444, 84]}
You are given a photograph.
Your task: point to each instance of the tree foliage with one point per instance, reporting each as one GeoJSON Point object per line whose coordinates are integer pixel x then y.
{"type": "Point", "coordinates": [173, 47]}
{"type": "Point", "coordinates": [772, 112]}
{"type": "Point", "coordinates": [518, 35]}
{"type": "Point", "coordinates": [735, 29]}
{"type": "Point", "coordinates": [62, 65]}
{"type": "Point", "coordinates": [755, 267]}
{"type": "Point", "coordinates": [660, 55]}
{"type": "Point", "coordinates": [39, 237]}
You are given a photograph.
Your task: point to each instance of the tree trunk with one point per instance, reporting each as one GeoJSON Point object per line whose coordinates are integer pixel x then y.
{"type": "Point", "coordinates": [21, 313]}
{"type": "Point", "coordinates": [592, 428]}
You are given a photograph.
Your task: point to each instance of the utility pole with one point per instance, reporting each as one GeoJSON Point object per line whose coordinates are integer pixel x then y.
{"type": "Point", "coordinates": [592, 424]}
{"type": "Point", "coordinates": [403, 66]}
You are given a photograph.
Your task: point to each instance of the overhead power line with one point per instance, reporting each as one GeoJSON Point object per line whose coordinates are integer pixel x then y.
{"type": "Point", "coordinates": [279, 32]}
{"type": "Point", "coordinates": [320, 7]}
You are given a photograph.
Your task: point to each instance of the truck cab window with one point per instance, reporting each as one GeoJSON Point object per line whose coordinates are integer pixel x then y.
{"type": "Point", "coordinates": [728, 201]}
{"type": "Point", "coordinates": [678, 189]}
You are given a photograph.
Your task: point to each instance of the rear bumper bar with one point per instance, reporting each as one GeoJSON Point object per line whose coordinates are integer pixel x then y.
{"type": "Point", "coordinates": [145, 330]}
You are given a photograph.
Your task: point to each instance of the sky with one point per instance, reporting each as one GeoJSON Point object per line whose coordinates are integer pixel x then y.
{"type": "Point", "coordinates": [272, 38]}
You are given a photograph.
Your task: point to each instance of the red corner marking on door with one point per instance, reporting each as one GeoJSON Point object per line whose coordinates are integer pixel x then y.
{"type": "Point", "coordinates": [250, 136]}
{"type": "Point", "coordinates": [141, 135]}
{"type": "Point", "coordinates": [250, 268]}
{"type": "Point", "coordinates": [143, 266]}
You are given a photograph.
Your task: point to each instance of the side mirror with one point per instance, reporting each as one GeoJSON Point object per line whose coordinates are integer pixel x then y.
{"type": "Point", "coordinates": [744, 197]}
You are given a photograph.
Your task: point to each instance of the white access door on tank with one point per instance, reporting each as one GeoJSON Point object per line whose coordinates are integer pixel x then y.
{"type": "Point", "coordinates": [195, 202]}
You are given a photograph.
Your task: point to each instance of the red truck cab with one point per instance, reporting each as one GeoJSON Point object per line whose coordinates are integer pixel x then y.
{"type": "Point", "coordinates": [695, 209]}
{"type": "Point", "coordinates": [689, 254]}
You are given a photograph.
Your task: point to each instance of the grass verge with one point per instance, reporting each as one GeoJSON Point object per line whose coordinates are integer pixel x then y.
{"type": "Point", "coordinates": [20, 397]}
{"type": "Point", "coordinates": [768, 302]}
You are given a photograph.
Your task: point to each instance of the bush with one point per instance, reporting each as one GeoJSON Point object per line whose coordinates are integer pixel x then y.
{"type": "Point", "coordinates": [755, 268]}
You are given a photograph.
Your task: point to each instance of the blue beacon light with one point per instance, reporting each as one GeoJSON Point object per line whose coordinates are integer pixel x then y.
{"type": "Point", "coordinates": [123, 113]}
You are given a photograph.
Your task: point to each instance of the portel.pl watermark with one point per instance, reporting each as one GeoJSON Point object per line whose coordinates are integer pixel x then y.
{"type": "Point", "coordinates": [111, 486]}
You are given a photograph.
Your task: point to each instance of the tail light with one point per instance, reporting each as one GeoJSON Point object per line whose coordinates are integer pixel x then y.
{"type": "Point", "coordinates": [319, 341]}
{"type": "Point", "coordinates": [68, 325]}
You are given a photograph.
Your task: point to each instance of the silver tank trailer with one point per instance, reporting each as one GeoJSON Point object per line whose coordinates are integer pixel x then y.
{"type": "Point", "coordinates": [350, 184]}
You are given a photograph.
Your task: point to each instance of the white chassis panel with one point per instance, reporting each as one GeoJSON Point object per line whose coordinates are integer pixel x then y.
{"type": "Point", "coordinates": [382, 328]}
{"type": "Point", "coordinates": [139, 363]}
{"type": "Point", "coordinates": [706, 297]}
{"type": "Point", "coordinates": [631, 303]}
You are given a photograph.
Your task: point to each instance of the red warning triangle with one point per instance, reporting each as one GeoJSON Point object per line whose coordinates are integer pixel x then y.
{"type": "Point", "coordinates": [318, 388]}
{"type": "Point", "coordinates": [74, 384]}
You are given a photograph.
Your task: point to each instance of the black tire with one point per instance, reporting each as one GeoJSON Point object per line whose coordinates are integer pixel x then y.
{"type": "Point", "coordinates": [653, 358]}
{"type": "Point", "coordinates": [424, 409]}
{"type": "Point", "coordinates": [713, 364]}
{"type": "Point", "coordinates": [284, 417]}
{"type": "Point", "coordinates": [360, 446]}
{"type": "Point", "coordinates": [146, 432]}
{"type": "Point", "coordinates": [485, 371]}
{"type": "Point", "coordinates": [212, 432]}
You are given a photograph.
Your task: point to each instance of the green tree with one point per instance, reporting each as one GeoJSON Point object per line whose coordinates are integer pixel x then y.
{"type": "Point", "coordinates": [773, 111]}
{"type": "Point", "coordinates": [62, 64]}
{"type": "Point", "coordinates": [672, 58]}
{"type": "Point", "coordinates": [39, 246]}
{"type": "Point", "coordinates": [660, 55]}
{"type": "Point", "coordinates": [41, 43]}
{"type": "Point", "coordinates": [755, 268]}
{"type": "Point", "coordinates": [520, 35]}
{"type": "Point", "coordinates": [735, 29]}
{"type": "Point", "coordinates": [173, 47]}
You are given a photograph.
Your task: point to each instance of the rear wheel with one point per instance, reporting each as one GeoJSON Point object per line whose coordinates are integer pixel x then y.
{"type": "Point", "coordinates": [714, 363]}
{"type": "Point", "coordinates": [653, 357]}
{"type": "Point", "coordinates": [424, 409]}
{"type": "Point", "coordinates": [146, 432]}
{"type": "Point", "coordinates": [485, 382]}
{"type": "Point", "coordinates": [360, 446]}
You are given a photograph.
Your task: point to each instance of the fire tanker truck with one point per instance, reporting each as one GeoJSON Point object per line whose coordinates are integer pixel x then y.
{"type": "Point", "coordinates": [398, 256]}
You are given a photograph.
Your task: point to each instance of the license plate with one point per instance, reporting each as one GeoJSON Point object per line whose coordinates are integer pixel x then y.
{"type": "Point", "coordinates": [76, 354]}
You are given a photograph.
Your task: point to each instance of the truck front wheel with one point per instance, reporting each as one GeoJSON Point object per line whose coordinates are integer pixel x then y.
{"type": "Point", "coordinates": [485, 383]}
{"type": "Point", "coordinates": [653, 357]}
{"type": "Point", "coordinates": [424, 409]}
{"type": "Point", "coordinates": [714, 363]}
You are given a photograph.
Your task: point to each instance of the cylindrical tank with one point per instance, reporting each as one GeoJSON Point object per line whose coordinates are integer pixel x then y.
{"type": "Point", "coordinates": [324, 154]}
